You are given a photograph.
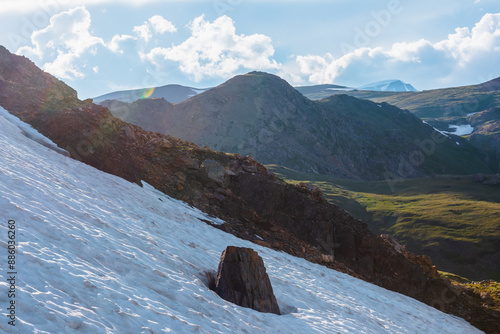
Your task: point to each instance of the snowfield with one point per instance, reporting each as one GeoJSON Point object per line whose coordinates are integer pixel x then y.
{"type": "Point", "coordinates": [97, 254]}
{"type": "Point", "coordinates": [461, 130]}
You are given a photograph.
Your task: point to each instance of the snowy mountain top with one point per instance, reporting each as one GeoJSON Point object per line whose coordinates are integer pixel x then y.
{"type": "Point", "coordinates": [389, 86]}
{"type": "Point", "coordinates": [98, 254]}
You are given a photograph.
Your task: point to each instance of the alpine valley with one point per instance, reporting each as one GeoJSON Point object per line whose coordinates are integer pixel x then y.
{"type": "Point", "coordinates": [129, 252]}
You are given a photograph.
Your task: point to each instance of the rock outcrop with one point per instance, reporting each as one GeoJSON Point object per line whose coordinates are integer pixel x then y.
{"type": "Point", "coordinates": [238, 189]}
{"type": "Point", "coordinates": [242, 279]}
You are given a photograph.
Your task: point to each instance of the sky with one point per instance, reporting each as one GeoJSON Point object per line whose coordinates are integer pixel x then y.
{"type": "Point", "coordinates": [100, 46]}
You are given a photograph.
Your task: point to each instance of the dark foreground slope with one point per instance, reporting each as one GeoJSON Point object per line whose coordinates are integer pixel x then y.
{"type": "Point", "coordinates": [238, 189]}
{"type": "Point", "coordinates": [262, 115]}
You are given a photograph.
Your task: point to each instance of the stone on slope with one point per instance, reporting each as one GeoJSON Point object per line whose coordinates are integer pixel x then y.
{"type": "Point", "coordinates": [242, 279]}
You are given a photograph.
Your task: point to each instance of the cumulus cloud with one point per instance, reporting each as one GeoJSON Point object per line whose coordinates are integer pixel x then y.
{"type": "Point", "coordinates": [215, 50]}
{"type": "Point", "coordinates": [64, 40]}
{"type": "Point", "coordinates": [155, 24]}
{"type": "Point", "coordinates": [117, 40]}
{"type": "Point", "coordinates": [160, 25]}
{"type": "Point", "coordinates": [143, 32]}
{"type": "Point", "coordinates": [16, 6]}
{"type": "Point", "coordinates": [463, 56]}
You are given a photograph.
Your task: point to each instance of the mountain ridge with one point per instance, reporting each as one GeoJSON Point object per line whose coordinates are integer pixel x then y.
{"type": "Point", "coordinates": [262, 115]}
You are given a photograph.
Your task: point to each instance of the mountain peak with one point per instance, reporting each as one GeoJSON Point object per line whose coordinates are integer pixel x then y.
{"type": "Point", "coordinates": [393, 85]}
{"type": "Point", "coordinates": [257, 77]}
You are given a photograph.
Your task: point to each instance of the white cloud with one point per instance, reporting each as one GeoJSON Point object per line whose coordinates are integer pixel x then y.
{"type": "Point", "coordinates": [157, 24]}
{"type": "Point", "coordinates": [63, 67]}
{"type": "Point", "coordinates": [143, 32]}
{"type": "Point", "coordinates": [464, 56]}
{"type": "Point", "coordinates": [63, 42]}
{"type": "Point", "coordinates": [160, 25]}
{"type": "Point", "coordinates": [215, 50]}
{"type": "Point", "coordinates": [16, 6]}
{"type": "Point", "coordinates": [114, 45]}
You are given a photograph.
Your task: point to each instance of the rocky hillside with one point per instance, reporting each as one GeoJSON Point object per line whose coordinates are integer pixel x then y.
{"type": "Point", "coordinates": [237, 189]}
{"type": "Point", "coordinates": [261, 115]}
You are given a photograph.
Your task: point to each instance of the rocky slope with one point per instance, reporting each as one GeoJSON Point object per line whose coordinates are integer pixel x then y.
{"type": "Point", "coordinates": [238, 189]}
{"type": "Point", "coordinates": [262, 115]}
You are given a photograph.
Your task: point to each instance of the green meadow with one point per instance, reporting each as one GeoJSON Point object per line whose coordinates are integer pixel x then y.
{"type": "Point", "coordinates": [453, 219]}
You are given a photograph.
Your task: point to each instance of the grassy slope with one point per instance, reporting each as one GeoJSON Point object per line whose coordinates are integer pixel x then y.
{"type": "Point", "coordinates": [453, 219]}
{"type": "Point", "coordinates": [488, 291]}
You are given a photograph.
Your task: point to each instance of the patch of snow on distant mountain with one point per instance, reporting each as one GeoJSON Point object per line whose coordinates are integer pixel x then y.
{"type": "Point", "coordinates": [98, 254]}
{"type": "Point", "coordinates": [461, 130]}
{"type": "Point", "coordinates": [344, 89]}
{"type": "Point", "coordinates": [472, 113]}
{"type": "Point", "coordinates": [444, 133]}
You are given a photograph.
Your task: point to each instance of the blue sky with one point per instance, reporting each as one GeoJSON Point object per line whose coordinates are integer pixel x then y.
{"type": "Point", "coordinates": [99, 46]}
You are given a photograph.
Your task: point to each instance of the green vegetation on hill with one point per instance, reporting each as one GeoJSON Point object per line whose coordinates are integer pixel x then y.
{"type": "Point", "coordinates": [455, 220]}
{"type": "Point", "coordinates": [488, 290]}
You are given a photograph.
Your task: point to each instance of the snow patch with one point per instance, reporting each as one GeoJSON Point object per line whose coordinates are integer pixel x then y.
{"type": "Point", "coordinates": [461, 130]}
{"type": "Point", "coordinates": [389, 85]}
{"type": "Point", "coordinates": [28, 131]}
{"type": "Point", "coordinates": [346, 89]}
{"type": "Point", "coordinates": [472, 113]}
{"type": "Point", "coordinates": [444, 133]}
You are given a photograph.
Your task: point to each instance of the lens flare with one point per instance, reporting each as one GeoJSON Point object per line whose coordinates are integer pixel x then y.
{"type": "Point", "coordinates": [146, 94]}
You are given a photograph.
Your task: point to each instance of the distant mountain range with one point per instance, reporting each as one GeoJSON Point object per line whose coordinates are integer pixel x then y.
{"type": "Point", "coordinates": [261, 115]}
{"type": "Point", "coordinates": [178, 93]}
{"type": "Point", "coordinates": [171, 93]}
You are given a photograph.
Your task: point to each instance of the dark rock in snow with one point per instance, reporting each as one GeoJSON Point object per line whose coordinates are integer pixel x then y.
{"type": "Point", "coordinates": [242, 279]}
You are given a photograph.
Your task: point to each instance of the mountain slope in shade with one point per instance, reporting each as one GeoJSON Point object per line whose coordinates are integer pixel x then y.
{"type": "Point", "coordinates": [99, 254]}
{"type": "Point", "coordinates": [389, 86]}
{"type": "Point", "coordinates": [171, 93]}
{"type": "Point", "coordinates": [262, 115]}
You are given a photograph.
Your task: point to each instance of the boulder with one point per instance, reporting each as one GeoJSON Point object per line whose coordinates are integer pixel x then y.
{"type": "Point", "coordinates": [242, 279]}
